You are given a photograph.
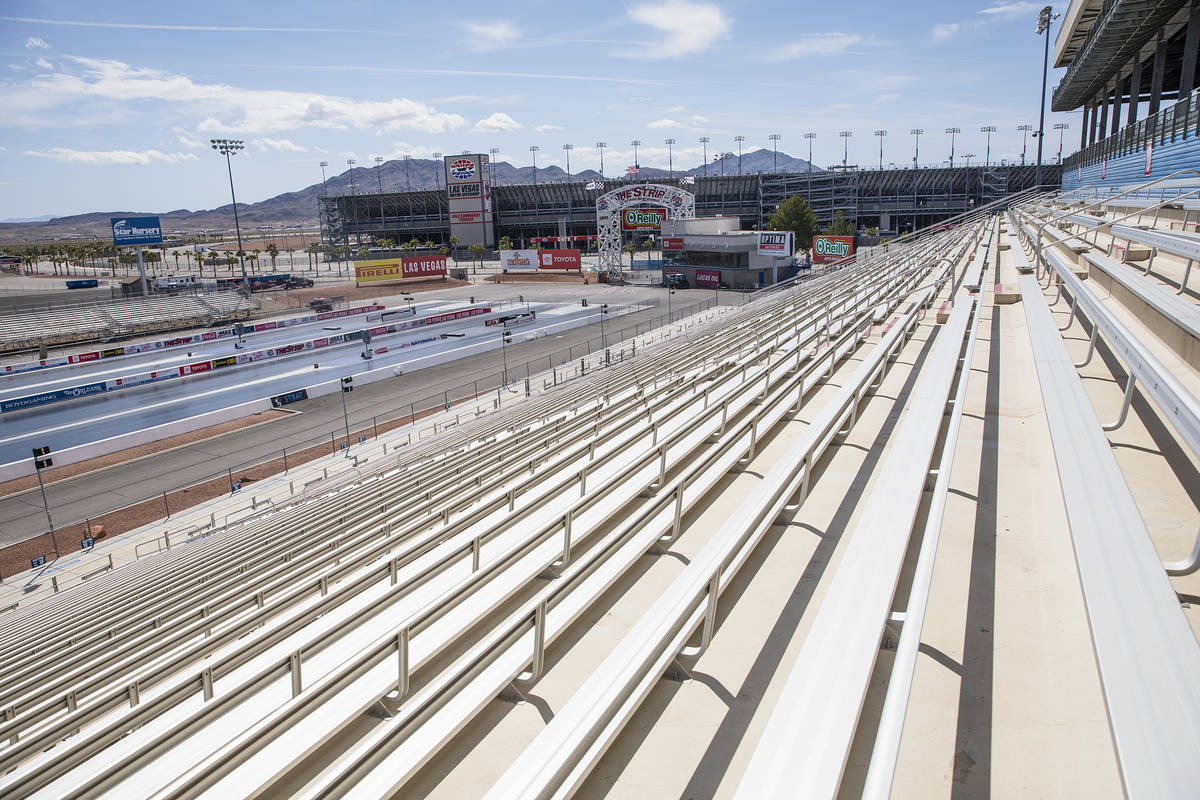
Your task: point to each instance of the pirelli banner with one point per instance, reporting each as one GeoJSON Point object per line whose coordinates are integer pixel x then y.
{"type": "Point", "coordinates": [395, 269]}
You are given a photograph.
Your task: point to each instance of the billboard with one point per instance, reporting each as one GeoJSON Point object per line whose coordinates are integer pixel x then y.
{"type": "Point", "coordinates": [775, 243]}
{"type": "Point", "coordinates": [469, 199]}
{"type": "Point", "coordinates": [708, 278]}
{"type": "Point", "coordinates": [831, 248]}
{"type": "Point", "coordinates": [560, 259]}
{"type": "Point", "coordinates": [394, 269]}
{"type": "Point", "coordinates": [643, 219]}
{"type": "Point", "coordinates": [672, 243]}
{"type": "Point", "coordinates": [513, 260]}
{"type": "Point", "coordinates": [136, 230]}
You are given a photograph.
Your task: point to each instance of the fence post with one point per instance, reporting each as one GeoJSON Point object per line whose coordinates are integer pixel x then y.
{"type": "Point", "coordinates": [166, 507]}
{"type": "Point", "coordinates": [285, 464]}
{"type": "Point", "coordinates": [375, 425]}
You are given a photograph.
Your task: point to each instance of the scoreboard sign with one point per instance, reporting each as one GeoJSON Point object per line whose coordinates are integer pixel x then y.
{"type": "Point", "coordinates": [643, 219]}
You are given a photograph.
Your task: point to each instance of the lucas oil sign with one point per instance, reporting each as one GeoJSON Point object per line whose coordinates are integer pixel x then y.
{"type": "Point", "coordinates": [831, 248]}
{"type": "Point", "coordinates": [642, 219]}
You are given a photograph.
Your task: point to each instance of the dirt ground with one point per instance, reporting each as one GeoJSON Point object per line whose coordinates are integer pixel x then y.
{"type": "Point", "coordinates": [298, 298]}
{"type": "Point", "coordinates": [536, 277]}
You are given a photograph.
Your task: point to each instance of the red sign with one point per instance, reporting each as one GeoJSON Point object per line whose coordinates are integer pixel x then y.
{"type": "Point", "coordinates": [559, 259]}
{"type": "Point", "coordinates": [192, 369]}
{"type": "Point", "coordinates": [466, 217]}
{"type": "Point", "coordinates": [643, 219]}
{"type": "Point", "coordinates": [424, 266]}
{"type": "Point", "coordinates": [826, 249]}
{"type": "Point", "coordinates": [390, 269]}
{"type": "Point", "coordinates": [672, 243]}
{"type": "Point", "coordinates": [708, 278]}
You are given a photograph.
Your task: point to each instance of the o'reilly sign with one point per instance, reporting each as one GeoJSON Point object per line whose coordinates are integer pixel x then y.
{"type": "Point", "coordinates": [136, 230]}
{"type": "Point", "coordinates": [832, 248]}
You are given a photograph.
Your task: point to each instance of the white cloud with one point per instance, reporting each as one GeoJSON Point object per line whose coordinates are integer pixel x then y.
{"type": "Point", "coordinates": [43, 63]}
{"type": "Point", "coordinates": [1013, 10]}
{"type": "Point", "coordinates": [663, 123]}
{"type": "Point", "coordinates": [547, 127]}
{"type": "Point", "coordinates": [491, 35]}
{"type": "Point", "coordinates": [347, 155]}
{"type": "Point", "coordinates": [699, 120]}
{"type": "Point", "coordinates": [186, 139]}
{"type": "Point", "coordinates": [675, 109]}
{"type": "Point", "coordinates": [227, 108]}
{"type": "Point", "coordinates": [816, 44]}
{"type": "Point", "coordinates": [497, 123]}
{"type": "Point", "coordinates": [36, 43]}
{"type": "Point", "coordinates": [106, 157]}
{"type": "Point", "coordinates": [401, 149]}
{"type": "Point", "coordinates": [687, 27]}
{"type": "Point", "coordinates": [265, 144]}
{"type": "Point", "coordinates": [944, 32]}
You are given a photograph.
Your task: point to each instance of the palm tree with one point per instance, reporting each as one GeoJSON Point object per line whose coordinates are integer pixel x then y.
{"type": "Point", "coordinates": [273, 252]}
{"type": "Point", "coordinates": [454, 246]}
{"type": "Point", "coordinates": [291, 251]}
{"type": "Point", "coordinates": [629, 248]}
{"type": "Point", "coordinates": [176, 254]}
{"type": "Point", "coordinates": [429, 245]}
{"type": "Point", "coordinates": [476, 252]}
{"type": "Point", "coordinates": [506, 242]}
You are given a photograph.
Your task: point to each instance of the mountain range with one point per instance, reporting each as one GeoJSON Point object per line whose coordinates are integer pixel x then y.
{"type": "Point", "coordinates": [299, 208]}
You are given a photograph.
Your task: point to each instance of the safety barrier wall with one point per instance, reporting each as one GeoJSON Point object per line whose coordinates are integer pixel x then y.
{"type": "Point", "coordinates": [1131, 167]}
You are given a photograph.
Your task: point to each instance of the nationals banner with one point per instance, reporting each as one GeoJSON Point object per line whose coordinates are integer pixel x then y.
{"type": "Point", "coordinates": [831, 248]}
{"type": "Point", "coordinates": [560, 259]}
{"type": "Point", "coordinates": [394, 269]}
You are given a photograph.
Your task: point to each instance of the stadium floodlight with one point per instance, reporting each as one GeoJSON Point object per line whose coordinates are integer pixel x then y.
{"type": "Point", "coordinates": [324, 186]}
{"type": "Point", "coordinates": [635, 144]}
{"type": "Point", "coordinates": [1045, 17]}
{"type": "Point", "coordinates": [1060, 127]}
{"type": "Point", "coordinates": [953, 132]}
{"type": "Point", "coordinates": [881, 133]}
{"type": "Point", "coordinates": [600, 146]}
{"type": "Point", "coordinates": [567, 148]}
{"type": "Point", "coordinates": [437, 173]}
{"type": "Point", "coordinates": [916, 132]}
{"type": "Point", "coordinates": [407, 172]}
{"type": "Point", "coordinates": [350, 162]}
{"type": "Point", "coordinates": [1024, 129]}
{"type": "Point", "coordinates": [227, 148]}
{"type": "Point", "coordinates": [670, 143]}
{"type": "Point", "coordinates": [533, 148]}
{"type": "Point", "coordinates": [775, 137]}
{"type": "Point", "coordinates": [704, 140]}
{"type": "Point", "coordinates": [378, 174]}
{"type": "Point", "coordinates": [810, 137]}
{"type": "Point", "coordinates": [739, 140]}
{"type": "Point", "coordinates": [845, 145]}
{"type": "Point", "coordinates": [968, 157]}
{"type": "Point", "coordinates": [989, 130]}
{"type": "Point", "coordinates": [495, 151]}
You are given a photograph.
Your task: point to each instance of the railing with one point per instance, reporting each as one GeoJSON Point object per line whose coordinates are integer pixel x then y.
{"type": "Point", "coordinates": [1176, 121]}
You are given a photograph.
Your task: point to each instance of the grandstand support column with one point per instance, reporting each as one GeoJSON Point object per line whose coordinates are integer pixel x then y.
{"type": "Point", "coordinates": [1116, 107]}
{"type": "Point", "coordinates": [1187, 71]}
{"type": "Point", "coordinates": [1135, 88]}
{"type": "Point", "coordinates": [1102, 133]}
{"type": "Point", "coordinates": [1156, 76]}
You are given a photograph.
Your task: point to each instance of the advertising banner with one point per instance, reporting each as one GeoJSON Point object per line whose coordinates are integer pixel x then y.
{"type": "Point", "coordinates": [463, 217]}
{"type": "Point", "coordinates": [560, 259]}
{"type": "Point", "coordinates": [513, 260]}
{"type": "Point", "coordinates": [469, 199]}
{"type": "Point", "coordinates": [776, 243]}
{"type": "Point", "coordinates": [136, 230]}
{"type": "Point", "coordinates": [458, 191]}
{"type": "Point", "coordinates": [643, 219]}
{"type": "Point", "coordinates": [394, 269]}
{"type": "Point", "coordinates": [294, 396]}
{"type": "Point", "coordinates": [831, 248]}
{"type": "Point", "coordinates": [708, 278]}
{"type": "Point", "coordinates": [672, 243]}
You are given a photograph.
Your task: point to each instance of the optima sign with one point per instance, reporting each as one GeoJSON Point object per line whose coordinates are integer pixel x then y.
{"type": "Point", "coordinates": [832, 248]}
{"type": "Point", "coordinates": [775, 243]}
{"type": "Point", "coordinates": [643, 219]}
{"type": "Point", "coordinates": [136, 230]}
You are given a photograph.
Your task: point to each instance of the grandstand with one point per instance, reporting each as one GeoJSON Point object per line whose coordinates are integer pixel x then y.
{"type": "Point", "coordinates": [30, 330]}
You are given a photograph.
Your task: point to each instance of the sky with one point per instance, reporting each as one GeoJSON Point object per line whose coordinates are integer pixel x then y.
{"type": "Point", "coordinates": [111, 106]}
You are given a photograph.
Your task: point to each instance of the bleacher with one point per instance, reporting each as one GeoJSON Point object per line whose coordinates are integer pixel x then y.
{"type": "Point", "coordinates": [29, 330]}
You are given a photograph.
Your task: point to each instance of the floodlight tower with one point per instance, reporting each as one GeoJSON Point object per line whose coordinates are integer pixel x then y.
{"type": "Point", "coordinates": [845, 146]}
{"type": "Point", "coordinates": [916, 132]}
{"type": "Point", "coordinates": [407, 172]}
{"type": "Point", "coordinates": [350, 162]}
{"type": "Point", "coordinates": [635, 144]}
{"type": "Point", "coordinates": [495, 151]}
{"type": "Point", "coordinates": [810, 137]}
{"type": "Point", "coordinates": [533, 148]}
{"type": "Point", "coordinates": [670, 143]}
{"type": "Point", "coordinates": [324, 186]}
{"type": "Point", "coordinates": [953, 132]}
{"type": "Point", "coordinates": [968, 157]}
{"type": "Point", "coordinates": [704, 140]}
{"type": "Point", "coordinates": [600, 146]}
{"type": "Point", "coordinates": [1024, 129]}
{"type": "Point", "coordinates": [437, 173]}
{"type": "Point", "coordinates": [775, 137]}
{"type": "Point", "coordinates": [567, 148]}
{"type": "Point", "coordinates": [1060, 127]}
{"type": "Point", "coordinates": [739, 140]}
{"type": "Point", "coordinates": [881, 133]}
{"type": "Point", "coordinates": [1045, 17]}
{"type": "Point", "coordinates": [987, 154]}
{"type": "Point", "coordinates": [227, 148]}
{"type": "Point", "coordinates": [378, 174]}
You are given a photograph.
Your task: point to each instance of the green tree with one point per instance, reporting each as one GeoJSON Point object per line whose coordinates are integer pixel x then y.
{"type": "Point", "coordinates": [630, 247]}
{"type": "Point", "coordinates": [506, 243]}
{"type": "Point", "coordinates": [840, 225]}
{"type": "Point", "coordinates": [454, 246]}
{"type": "Point", "coordinates": [795, 215]}
{"type": "Point", "coordinates": [364, 253]}
{"type": "Point", "coordinates": [476, 253]}
{"type": "Point", "coordinates": [273, 252]}
{"type": "Point", "coordinates": [385, 243]}
{"type": "Point", "coordinates": [429, 245]}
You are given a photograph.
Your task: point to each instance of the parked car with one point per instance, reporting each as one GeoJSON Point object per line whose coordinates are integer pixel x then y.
{"type": "Point", "coordinates": [296, 282]}
{"type": "Point", "coordinates": [676, 280]}
{"type": "Point", "coordinates": [320, 304]}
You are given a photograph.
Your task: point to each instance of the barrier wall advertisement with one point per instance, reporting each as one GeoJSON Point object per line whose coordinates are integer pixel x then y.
{"type": "Point", "coordinates": [394, 269]}
{"type": "Point", "coordinates": [708, 278]}
{"type": "Point", "coordinates": [560, 260]}
{"type": "Point", "coordinates": [516, 260]}
{"type": "Point", "coordinates": [826, 249]}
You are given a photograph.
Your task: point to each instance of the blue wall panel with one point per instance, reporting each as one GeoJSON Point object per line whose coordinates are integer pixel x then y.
{"type": "Point", "coordinates": [1131, 169]}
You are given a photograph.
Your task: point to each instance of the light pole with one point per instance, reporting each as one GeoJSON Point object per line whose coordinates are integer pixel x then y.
{"type": "Point", "coordinates": [810, 137]}
{"type": "Point", "coordinates": [968, 157]}
{"type": "Point", "coordinates": [845, 146]}
{"type": "Point", "coordinates": [324, 186]}
{"type": "Point", "coordinates": [603, 335]}
{"type": "Point", "coordinates": [670, 143]}
{"type": "Point", "coordinates": [1060, 127]}
{"type": "Point", "coordinates": [635, 144]}
{"type": "Point", "coordinates": [739, 140]}
{"type": "Point", "coordinates": [916, 132]}
{"type": "Point", "coordinates": [437, 172]}
{"type": "Point", "coordinates": [227, 148]}
{"type": "Point", "coordinates": [881, 133]}
{"type": "Point", "coordinates": [1024, 129]}
{"type": "Point", "coordinates": [775, 137]}
{"type": "Point", "coordinates": [407, 172]}
{"type": "Point", "coordinates": [378, 174]}
{"type": "Point", "coordinates": [533, 148]}
{"type": "Point", "coordinates": [505, 337]}
{"type": "Point", "coordinates": [350, 162]}
{"type": "Point", "coordinates": [567, 148]}
{"type": "Point", "coordinates": [704, 143]}
{"type": "Point", "coordinates": [953, 132]}
{"type": "Point", "coordinates": [987, 154]}
{"type": "Point", "coordinates": [495, 151]}
{"type": "Point", "coordinates": [1045, 17]}
{"type": "Point", "coordinates": [600, 146]}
